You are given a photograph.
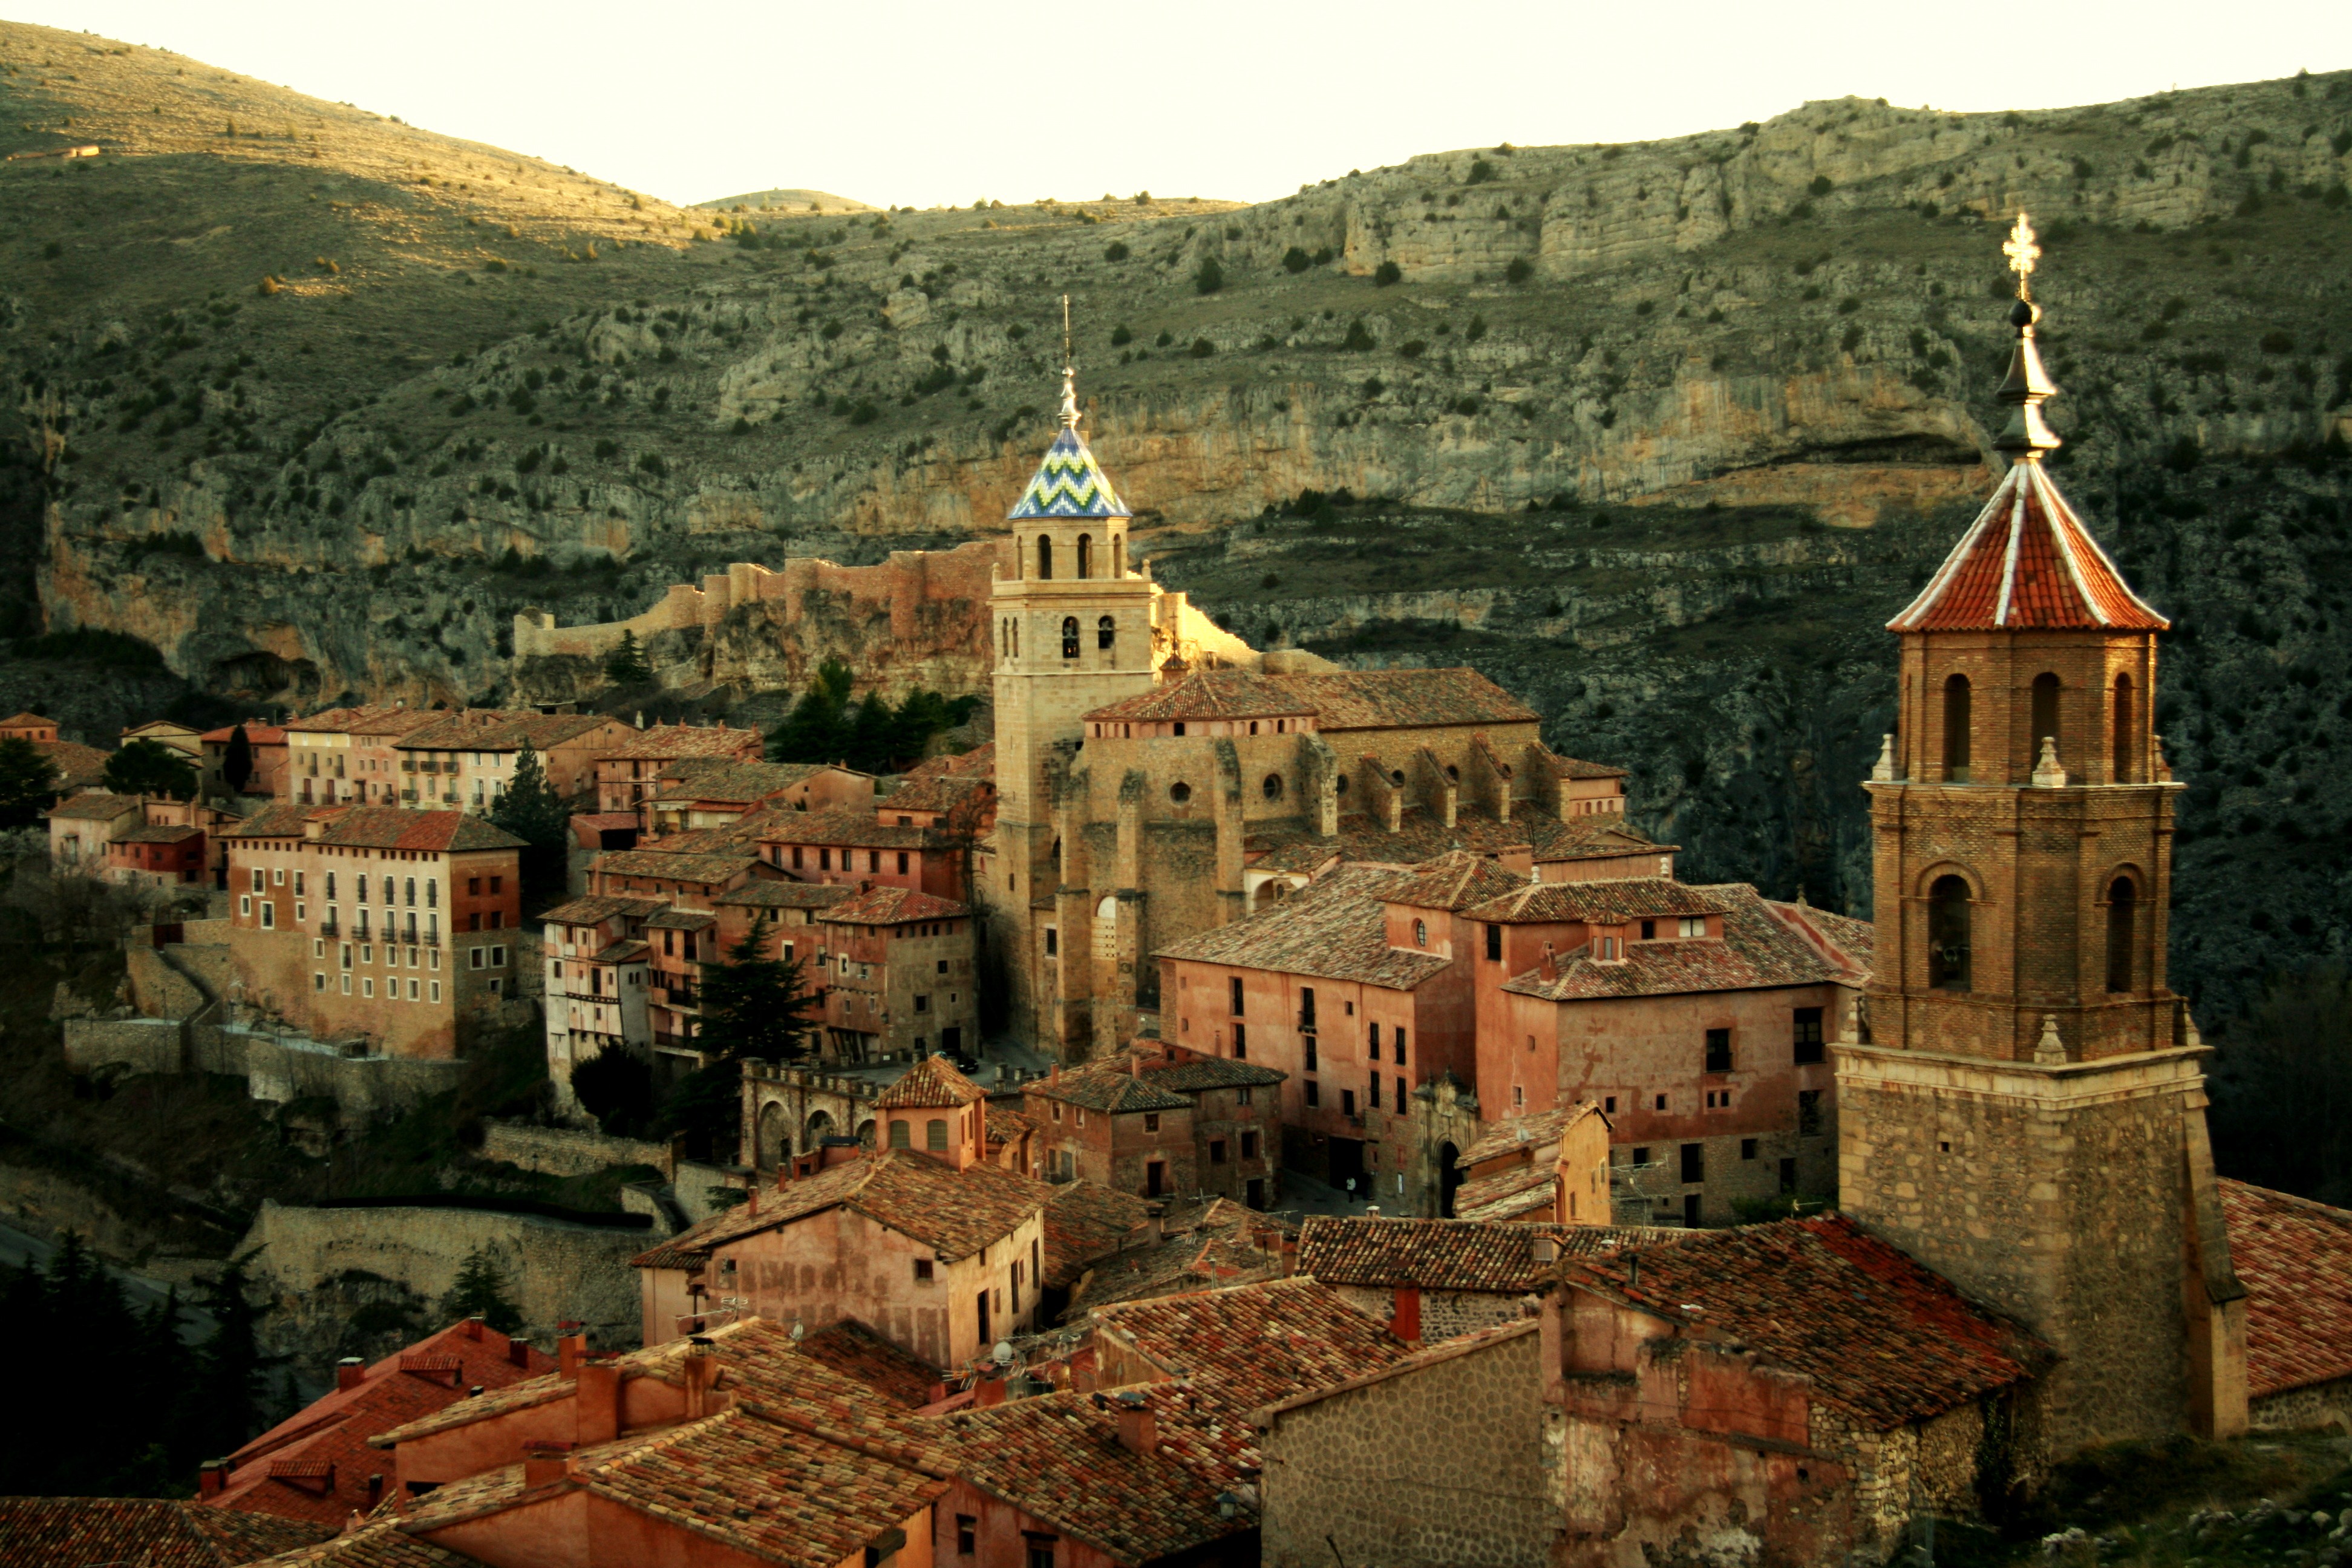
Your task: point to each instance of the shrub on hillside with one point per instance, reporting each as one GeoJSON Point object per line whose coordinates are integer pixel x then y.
{"type": "Point", "coordinates": [1386, 273]}
{"type": "Point", "coordinates": [1209, 278]}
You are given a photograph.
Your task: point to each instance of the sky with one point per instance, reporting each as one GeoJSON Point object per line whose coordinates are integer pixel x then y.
{"type": "Point", "coordinates": [922, 103]}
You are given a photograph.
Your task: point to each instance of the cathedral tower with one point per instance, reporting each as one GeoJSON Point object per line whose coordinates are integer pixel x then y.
{"type": "Point", "coordinates": [2025, 1108]}
{"type": "Point", "coordinates": [1073, 629]}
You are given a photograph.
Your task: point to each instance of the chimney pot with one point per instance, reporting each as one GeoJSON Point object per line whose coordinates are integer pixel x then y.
{"type": "Point", "coordinates": [518, 1351]}
{"type": "Point", "coordinates": [350, 1373]}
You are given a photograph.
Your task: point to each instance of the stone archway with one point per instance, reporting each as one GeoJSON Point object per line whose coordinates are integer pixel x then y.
{"type": "Point", "coordinates": [820, 1128]}
{"type": "Point", "coordinates": [775, 1144]}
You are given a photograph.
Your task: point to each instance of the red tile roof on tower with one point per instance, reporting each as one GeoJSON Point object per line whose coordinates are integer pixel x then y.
{"type": "Point", "coordinates": [933, 1081]}
{"type": "Point", "coordinates": [1882, 1337]}
{"type": "Point", "coordinates": [53, 1532]}
{"type": "Point", "coordinates": [2295, 1257]}
{"type": "Point", "coordinates": [2027, 563]}
{"type": "Point", "coordinates": [327, 1440]}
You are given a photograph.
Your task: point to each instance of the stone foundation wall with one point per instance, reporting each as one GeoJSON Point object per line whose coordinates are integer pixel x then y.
{"type": "Point", "coordinates": [564, 1150]}
{"type": "Point", "coordinates": [133, 1044]}
{"type": "Point", "coordinates": [2300, 1409]}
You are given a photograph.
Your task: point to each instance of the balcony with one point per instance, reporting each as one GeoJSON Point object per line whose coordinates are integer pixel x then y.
{"type": "Point", "coordinates": [330, 927]}
{"type": "Point", "coordinates": [677, 996]}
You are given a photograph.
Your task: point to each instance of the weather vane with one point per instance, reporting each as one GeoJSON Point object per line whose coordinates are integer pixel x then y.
{"type": "Point", "coordinates": [1070, 373]}
{"type": "Point", "coordinates": [2023, 253]}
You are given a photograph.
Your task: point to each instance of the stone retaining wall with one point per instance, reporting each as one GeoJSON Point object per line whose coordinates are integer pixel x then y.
{"type": "Point", "coordinates": [565, 1150]}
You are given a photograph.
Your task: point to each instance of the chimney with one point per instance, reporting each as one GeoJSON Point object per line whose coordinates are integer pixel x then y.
{"type": "Point", "coordinates": [1055, 1075]}
{"type": "Point", "coordinates": [596, 1402]}
{"type": "Point", "coordinates": [1289, 1256]}
{"type": "Point", "coordinates": [701, 1376]}
{"type": "Point", "coordinates": [472, 1328]}
{"type": "Point", "coordinates": [211, 1477]}
{"type": "Point", "coordinates": [570, 1344]}
{"type": "Point", "coordinates": [518, 1352]}
{"type": "Point", "coordinates": [988, 1391]}
{"type": "Point", "coordinates": [374, 1491]}
{"type": "Point", "coordinates": [1135, 1066]}
{"type": "Point", "coordinates": [544, 1464]}
{"type": "Point", "coordinates": [1139, 1433]}
{"type": "Point", "coordinates": [350, 1373]}
{"type": "Point", "coordinates": [1372, 1211]}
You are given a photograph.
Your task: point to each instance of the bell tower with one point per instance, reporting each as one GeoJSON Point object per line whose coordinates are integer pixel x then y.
{"type": "Point", "coordinates": [1074, 631]}
{"type": "Point", "coordinates": [2024, 1109]}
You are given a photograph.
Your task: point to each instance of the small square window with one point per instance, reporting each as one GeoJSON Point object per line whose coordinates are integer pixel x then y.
{"type": "Point", "coordinates": [318, 981]}
{"type": "Point", "coordinates": [367, 985]}
{"type": "Point", "coordinates": [1314, 1092]}
{"type": "Point", "coordinates": [1748, 1148]}
{"type": "Point", "coordinates": [922, 1271]}
{"type": "Point", "coordinates": [1609, 1105]}
{"type": "Point", "coordinates": [1662, 1102]}
{"type": "Point", "coordinates": [436, 989]}
{"type": "Point", "coordinates": [1152, 1122]}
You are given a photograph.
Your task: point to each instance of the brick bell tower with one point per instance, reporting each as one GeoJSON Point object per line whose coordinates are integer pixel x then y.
{"type": "Point", "coordinates": [2024, 1109]}
{"type": "Point", "coordinates": [1073, 630]}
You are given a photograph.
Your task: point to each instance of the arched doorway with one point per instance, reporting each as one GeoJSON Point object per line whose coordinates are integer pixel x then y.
{"type": "Point", "coordinates": [1449, 1179]}
{"type": "Point", "coordinates": [774, 1146]}
{"type": "Point", "coordinates": [865, 1134]}
{"type": "Point", "coordinates": [820, 1128]}
{"type": "Point", "coordinates": [1947, 935]}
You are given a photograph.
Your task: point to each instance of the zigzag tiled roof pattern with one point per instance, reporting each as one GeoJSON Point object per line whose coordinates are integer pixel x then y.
{"type": "Point", "coordinates": [2027, 563]}
{"type": "Point", "coordinates": [1450, 1254]}
{"type": "Point", "coordinates": [1251, 1345]}
{"type": "Point", "coordinates": [954, 1212]}
{"type": "Point", "coordinates": [1758, 948]}
{"type": "Point", "coordinates": [1613, 899]}
{"type": "Point", "coordinates": [2295, 1257]}
{"type": "Point", "coordinates": [1068, 483]}
{"type": "Point", "coordinates": [1883, 1338]}
{"type": "Point", "coordinates": [44, 1532]}
{"type": "Point", "coordinates": [1058, 1458]}
{"type": "Point", "coordinates": [933, 1081]}
{"type": "Point", "coordinates": [1335, 928]}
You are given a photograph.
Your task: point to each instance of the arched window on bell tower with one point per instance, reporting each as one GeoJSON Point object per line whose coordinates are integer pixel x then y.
{"type": "Point", "coordinates": [2123, 914]}
{"type": "Point", "coordinates": [1947, 935]}
{"type": "Point", "coordinates": [1956, 728]}
{"type": "Point", "coordinates": [1069, 637]}
{"type": "Point", "coordinates": [1044, 558]}
{"type": "Point", "coordinates": [1086, 556]}
{"type": "Point", "coordinates": [2044, 710]}
{"type": "Point", "coordinates": [2120, 758]}
{"type": "Point", "coordinates": [1106, 632]}
{"type": "Point", "coordinates": [1119, 555]}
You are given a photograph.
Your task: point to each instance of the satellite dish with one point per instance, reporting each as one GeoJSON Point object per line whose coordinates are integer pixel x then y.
{"type": "Point", "coordinates": [1002, 1354]}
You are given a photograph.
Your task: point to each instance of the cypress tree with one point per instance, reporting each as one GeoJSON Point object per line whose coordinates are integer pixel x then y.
{"type": "Point", "coordinates": [237, 763]}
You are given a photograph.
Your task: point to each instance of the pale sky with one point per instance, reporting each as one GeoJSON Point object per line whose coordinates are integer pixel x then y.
{"type": "Point", "coordinates": [924, 102]}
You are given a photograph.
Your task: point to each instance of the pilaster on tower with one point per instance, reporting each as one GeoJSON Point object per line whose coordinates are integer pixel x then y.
{"type": "Point", "coordinates": [2023, 1108]}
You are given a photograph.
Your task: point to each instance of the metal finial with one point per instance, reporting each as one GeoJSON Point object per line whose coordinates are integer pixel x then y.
{"type": "Point", "coordinates": [1069, 374]}
{"type": "Point", "coordinates": [2022, 253]}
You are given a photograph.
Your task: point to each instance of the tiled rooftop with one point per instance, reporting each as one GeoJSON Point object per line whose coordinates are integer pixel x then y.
{"type": "Point", "coordinates": [656, 864]}
{"type": "Point", "coordinates": [1506, 1195]}
{"type": "Point", "coordinates": [884, 905]}
{"type": "Point", "coordinates": [279, 820]}
{"type": "Point", "coordinates": [366, 721]}
{"type": "Point", "coordinates": [380, 1544]}
{"type": "Point", "coordinates": [933, 1081]}
{"type": "Point", "coordinates": [1524, 1135]}
{"type": "Point", "coordinates": [53, 1533]}
{"type": "Point", "coordinates": [849, 824]}
{"type": "Point", "coordinates": [2295, 1258]}
{"type": "Point", "coordinates": [1420, 837]}
{"type": "Point", "coordinates": [78, 767]}
{"type": "Point", "coordinates": [1450, 1254]}
{"type": "Point", "coordinates": [680, 920]}
{"type": "Point", "coordinates": [1884, 1338]}
{"type": "Point", "coordinates": [1253, 1343]}
{"type": "Point", "coordinates": [978, 762]}
{"type": "Point", "coordinates": [1204, 1247]}
{"type": "Point", "coordinates": [670, 741]}
{"type": "Point", "coordinates": [1577, 768]}
{"type": "Point", "coordinates": [1086, 1221]}
{"type": "Point", "coordinates": [939, 791]}
{"type": "Point", "coordinates": [1454, 880]}
{"type": "Point", "coordinates": [954, 1212]}
{"type": "Point", "coordinates": [433, 832]}
{"type": "Point", "coordinates": [1757, 949]}
{"type": "Point", "coordinates": [96, 808]}
{"type": "Point", "coordinates": [2027, 562]}
{"type": "Point", "coordinates": [160, 833]}
{"type": "Point", "coordinates": [1107, 1087]}
{"type": "Point", "coordinates": [499, 730]}
{"type": "Point", "coordinates": [597, 907]}
{"type": "Point", "coordinates": [739, 783]}
{"type": "Point", "coordinates": [1404, 698]}
{"type": "Point", "coordinates": [1207, 694]}
{"type": "Point", "coordinates": [766, 895]}
{"type": "Point", "coordinates": [856, 1352]}
{"type": "Point", "coordinates": [1335, 928]}
{"type": "Point", "coordinates": [1197, 1074]}
{"type": "Point", "coordinates": [1613, 899]}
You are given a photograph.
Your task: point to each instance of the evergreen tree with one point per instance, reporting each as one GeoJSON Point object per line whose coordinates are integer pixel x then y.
{"type": "Point", "coordinates": [29, 783]}
{"type": "Point", "coordinates": [874, 735]}
{"type": "Point", "coordinates": [626, 664]}
{"type": "Point", "coordinates": [756, 1005]}
{"type": "Point", "coordinates": [228, 1397]}
{"type": "Point", "coordinates": [818, 729]}
{"type": "Point", "coordinates": [534, 813]}
{"type": "Point", "coordinates": [237, 763]}
{"type": "Point", "coordinates": [481, 1291]}
{"type": "Point", "coordinates": [151, 767]}
{"type": "Point", "coordinates": [617, 1087]}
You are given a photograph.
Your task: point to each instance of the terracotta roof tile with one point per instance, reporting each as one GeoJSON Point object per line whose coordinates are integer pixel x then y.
{"type": "Point", "coordinates": [256, 734]}
{"type": "Point", "coordinates": [656, 863]}
{"type": "Point", "coordinates": [1758, 948]}
{"type": "Point", "coordinates": [978, 762]}
{"type": "Point", "coordinates": [1058, 1458]}
{"type": "Point", "coordinates": [1208, 694]}
{"type": "Point", "coordinates": [381, 1544]}
{"type": "Point", "coordinates": [943, 792]}
{"type": "Point", "coordinates": [850, 824]}
{"type": "Point", "coordinates": [2295, 1257]}
{"type": "Point", "coordinates": [1526, 1135]}
{"type": "Point", "coordinates": [933, 1081]}
{"type": "Point", "coordinates": [1253, 1343]}
{"type": "Point", "coordinates": [390, 828]}
{"type": "Point", "coordinates": [366, 721]}
{"type": "Point", "coordinates": [2027, 562]}
{"type": "Point", "coordinates": [279, 819]}
{"type": "Point", "coordinates": [78, 767]}
{"type": "Point", "coordinates": [1506, 1195]}
{"type": "Point", "coordinates": [884, 905]}
{"type": "Point", "coordinates": [501, 730]}
{"type": "Point", "coordinates": [1108, 1088]}
{"type": "Point", "coordinates": [1577, 768]}
{"type": "Point", "coordinates": [1336, 928]}
{"type": "Point", "coordinates": [597, 908]}
{"type": "Point", "coordinates": [1455, 881]}
{"type": "Point", "coordinates": [681, 919]}
{"type": "Point", "coordinates": [160, 833]}
{"type": "Point", "coordinates": [1405, 698]}
{"type": "Point", "coordinates": [954, 1212]}
{"type": "Point", "coordinates": [51, 1533]}
{"type": "Point", "coordinates": [97, 807]}
{"type": "Point", "coordinates": [1421, 836]}
{"type": "Point", "coordinates": [739, 783]}
{"type": "Point", "coordinates": [1613, 899]}
{"type": "Point", "coordinates": [770, 895]}
{"type": "Point", "coordinates": [1450, 1254]}
{"type": "Point", "coordinates": [1005, 1124]}
{"type": "Point", "coordinates": [854, 1351]}
{"type": "Point", "coordinates": [24, 720]}
{"type": "Point", "coordinates": [1206, 1245]}
{"type": "Point", "coordinates": [1086, 1221]}
{"type": "Point", "coordinates": [671, 742]}
{"type": "Point", "coordinates": [1882, 1337]}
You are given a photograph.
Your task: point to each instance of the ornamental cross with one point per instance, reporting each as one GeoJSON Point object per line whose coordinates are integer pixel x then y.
{"type": "Point", "coordinates": [1069, 374]}
{"type": "Point", "coordinates": [2023, 253]}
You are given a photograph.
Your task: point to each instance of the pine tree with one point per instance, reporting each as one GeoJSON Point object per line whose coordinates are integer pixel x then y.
{"type": "Point", "coordinates": [626, 664]}
{"type": "Point", "coordinates": [818, 729]}
{"type": "Point", "coordinates": [481, 1291]}
{"type": "Point", "coordinates": [29, 783]}
{"type": "Point", "coordinates": [755, 1006]}
{"type": "Point", "coordinates": [151, 767]}
{"type": "Point", "coordinates": [534, 813]}
{"type": "Point", "coordinates": [237, 763]}
{"type": "Point", "coordinates": [230, 1389]}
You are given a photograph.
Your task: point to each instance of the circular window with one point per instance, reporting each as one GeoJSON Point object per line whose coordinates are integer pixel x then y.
{"type": "Point", "coordinates": [1180, 792]}
{"type": "Point", "coordinates": [1421, 933]}
{"type": "Point", "coordinates": [1272, 786]}
{"type": "Point", "coordinates": [1396, 776]}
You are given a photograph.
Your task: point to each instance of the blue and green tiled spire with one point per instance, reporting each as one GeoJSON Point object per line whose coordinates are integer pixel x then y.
{"type": "Point", "coordinates": [1069, 482]}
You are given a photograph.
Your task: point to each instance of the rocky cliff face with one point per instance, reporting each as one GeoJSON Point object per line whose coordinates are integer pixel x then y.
{"type": "Point", "coordinates": [1578, 350]}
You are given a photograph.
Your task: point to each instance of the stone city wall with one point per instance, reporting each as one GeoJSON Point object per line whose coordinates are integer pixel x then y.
{"type": "Point", "coordinates": [565, 1150]}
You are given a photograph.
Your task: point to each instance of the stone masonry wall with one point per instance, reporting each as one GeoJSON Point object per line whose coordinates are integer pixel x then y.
{"type": "Point", "coordinates": [1440, 1465]}
{"type": "Point", "coordinates": [564, 1150]}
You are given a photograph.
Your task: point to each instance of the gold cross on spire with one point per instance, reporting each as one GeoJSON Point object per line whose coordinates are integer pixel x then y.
{"type": "Point", "coordinates": [1070, 373]}
{"type": "Point", "coordinates": [2023, 253]}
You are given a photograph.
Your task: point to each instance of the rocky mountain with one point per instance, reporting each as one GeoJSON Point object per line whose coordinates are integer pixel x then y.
{"type": "Point", "coordinates": [1657, 435]}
